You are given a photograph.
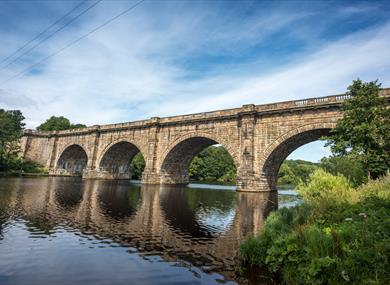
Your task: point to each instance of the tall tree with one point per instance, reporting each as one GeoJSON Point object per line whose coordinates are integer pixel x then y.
{"type": "Point", "coordinates": [137, 166]}
{"type": "Point", "coordinates": [348, 166]}
{"type": "Point", "coordinates": [58, 124]}
{"type": "Point", "coordinates": [11, 127]}
{"type": "Point", "coordinates": [364, 130]}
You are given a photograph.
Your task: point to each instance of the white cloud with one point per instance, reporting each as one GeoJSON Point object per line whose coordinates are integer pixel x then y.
{"type": "Point", "coordinates": [136, 67]}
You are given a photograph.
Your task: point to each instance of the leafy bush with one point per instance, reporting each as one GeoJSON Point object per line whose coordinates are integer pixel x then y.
{"type": "Point", "coordinates": [16, 165]}
{"type": "Point", "coordinates": [344, 241]}
{"type": "Point", "coordinates": [324, 188]}
{"type": "Point", "coordinates": [29, 166]}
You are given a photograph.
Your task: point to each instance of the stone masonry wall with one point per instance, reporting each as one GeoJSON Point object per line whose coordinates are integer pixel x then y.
{"type": "Point", "coordinates": [258, 137]}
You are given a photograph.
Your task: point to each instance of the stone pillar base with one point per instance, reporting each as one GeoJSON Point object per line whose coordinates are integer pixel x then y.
{"type": "Point", "coordinates": [174, 179]}
{"type": "Point", "coordinates": [252, 184]}
{"type": "Point", "coordinates": [63, 172]}
{"type": "Point", "coordinates": [149, 177]}
{"type": "Point", "coordinates": [155, 178]}
{"type": "Point", "coordinates": [101, 174]}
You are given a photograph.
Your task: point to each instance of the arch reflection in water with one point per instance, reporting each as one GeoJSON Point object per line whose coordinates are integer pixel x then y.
{"type": "Point", "coordinates": [118, 199]}
{"type": "Point", "coordinates": [198, 212]}
{"type": "Point", "coordinates": [68, 192]}
{"type": "Point", "coordinates": [200, 226]}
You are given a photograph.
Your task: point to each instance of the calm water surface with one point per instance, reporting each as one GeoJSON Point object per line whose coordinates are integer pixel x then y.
{"type": "Point", "coordinates": [66, 230]}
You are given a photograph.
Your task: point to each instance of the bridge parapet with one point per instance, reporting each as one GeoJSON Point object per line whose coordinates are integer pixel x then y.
{"type": "Point", "coordinates": [311, 102]}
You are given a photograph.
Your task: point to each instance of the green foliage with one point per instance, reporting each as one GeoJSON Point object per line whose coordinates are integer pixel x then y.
{"type": "Point", "coordinates": [293, 171]}
{"type": "Point", "coordinates": [29, 166]}
{"type": "Point", "coordinates": [364, 129]}
{"type": "Point", "coordinates": [58, 124]}
{"type": "Point", "coordinates": [332, 238]}
{"type": "Point", "coordinates": [77, 126]}
{"type": "Point", "coordinates": [213, 164]}
{"type": "Point", "coordinates": [137, 166]}
{"type": "Point", "coordinates": [324, 187]}
{"type": "Point", "coordinates": [11, 127]}
{"type": "Point", "coordinates": [349, 166]}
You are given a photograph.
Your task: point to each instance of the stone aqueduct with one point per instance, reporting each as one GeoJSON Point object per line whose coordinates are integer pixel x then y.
{"type": "Point", "coordinates": [258, 137]}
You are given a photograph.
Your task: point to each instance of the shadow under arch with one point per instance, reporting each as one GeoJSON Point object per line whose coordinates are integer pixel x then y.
{"type": "Point", "coordinates": [116, 160]}
{"type": "Point", "coordinates": [73, 160]}
{"type": "Point", "coordinates": [178, 156]}
{"type": "Point", "coordinates": [278, 151]}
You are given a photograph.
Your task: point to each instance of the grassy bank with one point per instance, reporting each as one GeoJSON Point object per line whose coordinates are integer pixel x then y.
{"type": "Point", "coordinates": [339, 235]}
{"type": "Point", "coordinates": [23, 174]}
{"type": "Point", "coordinates": [18, 167]}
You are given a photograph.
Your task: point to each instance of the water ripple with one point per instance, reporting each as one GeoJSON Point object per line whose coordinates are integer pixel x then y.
{"type": "Point", "coordinates": [66, 230]}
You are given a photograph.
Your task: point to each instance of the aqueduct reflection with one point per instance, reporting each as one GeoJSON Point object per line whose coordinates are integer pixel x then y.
{"type": "Point", "coordinates": [171, 222]}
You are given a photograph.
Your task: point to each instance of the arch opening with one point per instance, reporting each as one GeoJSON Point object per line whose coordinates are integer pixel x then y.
{"type": "Point", "coordinates": [273, 164]}
{"type": "Point", "coordinates": [199, 153]}
{"type": "Point", "coordinates": [73, 160]}
{"type": "Point", "coordinates": [123, 160]}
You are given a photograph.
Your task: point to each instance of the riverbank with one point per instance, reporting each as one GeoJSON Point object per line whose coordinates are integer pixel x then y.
{"type": "Point", "coordinates": [23, 174]}
{"type": "Point", "coordinates": [338, 235]}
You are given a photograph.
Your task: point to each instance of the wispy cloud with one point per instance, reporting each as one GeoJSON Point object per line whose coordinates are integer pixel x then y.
{"type": "Point", "coordinates": [166, 59]}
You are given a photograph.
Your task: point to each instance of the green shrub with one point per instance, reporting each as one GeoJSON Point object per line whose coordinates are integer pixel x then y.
{"type": "Point", "coordinates": [326, 240]}
{"type": "Point", "coordinates": [29, 166]}
{"type": "Point", "coordinates": [324, 188]}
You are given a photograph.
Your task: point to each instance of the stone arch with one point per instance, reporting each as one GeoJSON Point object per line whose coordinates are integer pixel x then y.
{"type": "Point", "coordinates": [175, 160]}
{"type": "Point", "coordinates": [116, 158]}
{"type": "Point", "coordinates": [73, 160]}
{"type": "Point", "coordinates": [284, 145]}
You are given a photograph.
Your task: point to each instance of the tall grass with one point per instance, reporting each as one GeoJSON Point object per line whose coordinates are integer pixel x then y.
{"type": "Point", "coordinates": [339, 235]}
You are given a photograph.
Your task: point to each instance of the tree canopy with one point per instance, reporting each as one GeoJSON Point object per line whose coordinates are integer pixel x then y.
{"type": "Point", "coordinates": [137, 166]}
{"type": "Point", "coordinates": [347, 166]}
{"type": "Point", "coordinates": [364, 130]}
{"type": "Point", "coordinates": [213, 164]}
{"type": "Point", "coordinates": [293, 171]}
{"type": "Point", "coordinates": [58, 124]}
{"type": "Point", "coordinates": [11, 127]}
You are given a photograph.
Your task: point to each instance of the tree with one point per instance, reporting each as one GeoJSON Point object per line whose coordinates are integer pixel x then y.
{"type": "Point", "coordinates": [364, 130]}
{"type": "Point", "coordinates": [347, 165]}
{"type": "Point", "coordinates": [213, 164]}
{"type": "Point", "coordinates": [58, 124]}
{"type": "Point", "coordinates": [77, 126]}
{"type": "Point", "coordinates": [293, 171]}
{"type": "Point", "coordinates": [11, 128]}
{"type": "Point", "coordinates": [137, 166]}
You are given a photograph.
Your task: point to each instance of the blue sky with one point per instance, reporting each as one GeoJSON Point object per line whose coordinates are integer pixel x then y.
{"type": "Point", "coordinates": [175, 57]}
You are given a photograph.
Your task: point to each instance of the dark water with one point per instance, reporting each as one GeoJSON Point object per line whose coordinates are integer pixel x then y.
{"type": "Point", "coordinates": [66, 230]}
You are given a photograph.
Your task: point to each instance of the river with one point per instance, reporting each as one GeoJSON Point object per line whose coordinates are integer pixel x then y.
{"type": "Point", "coordinates": [57, 230]}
